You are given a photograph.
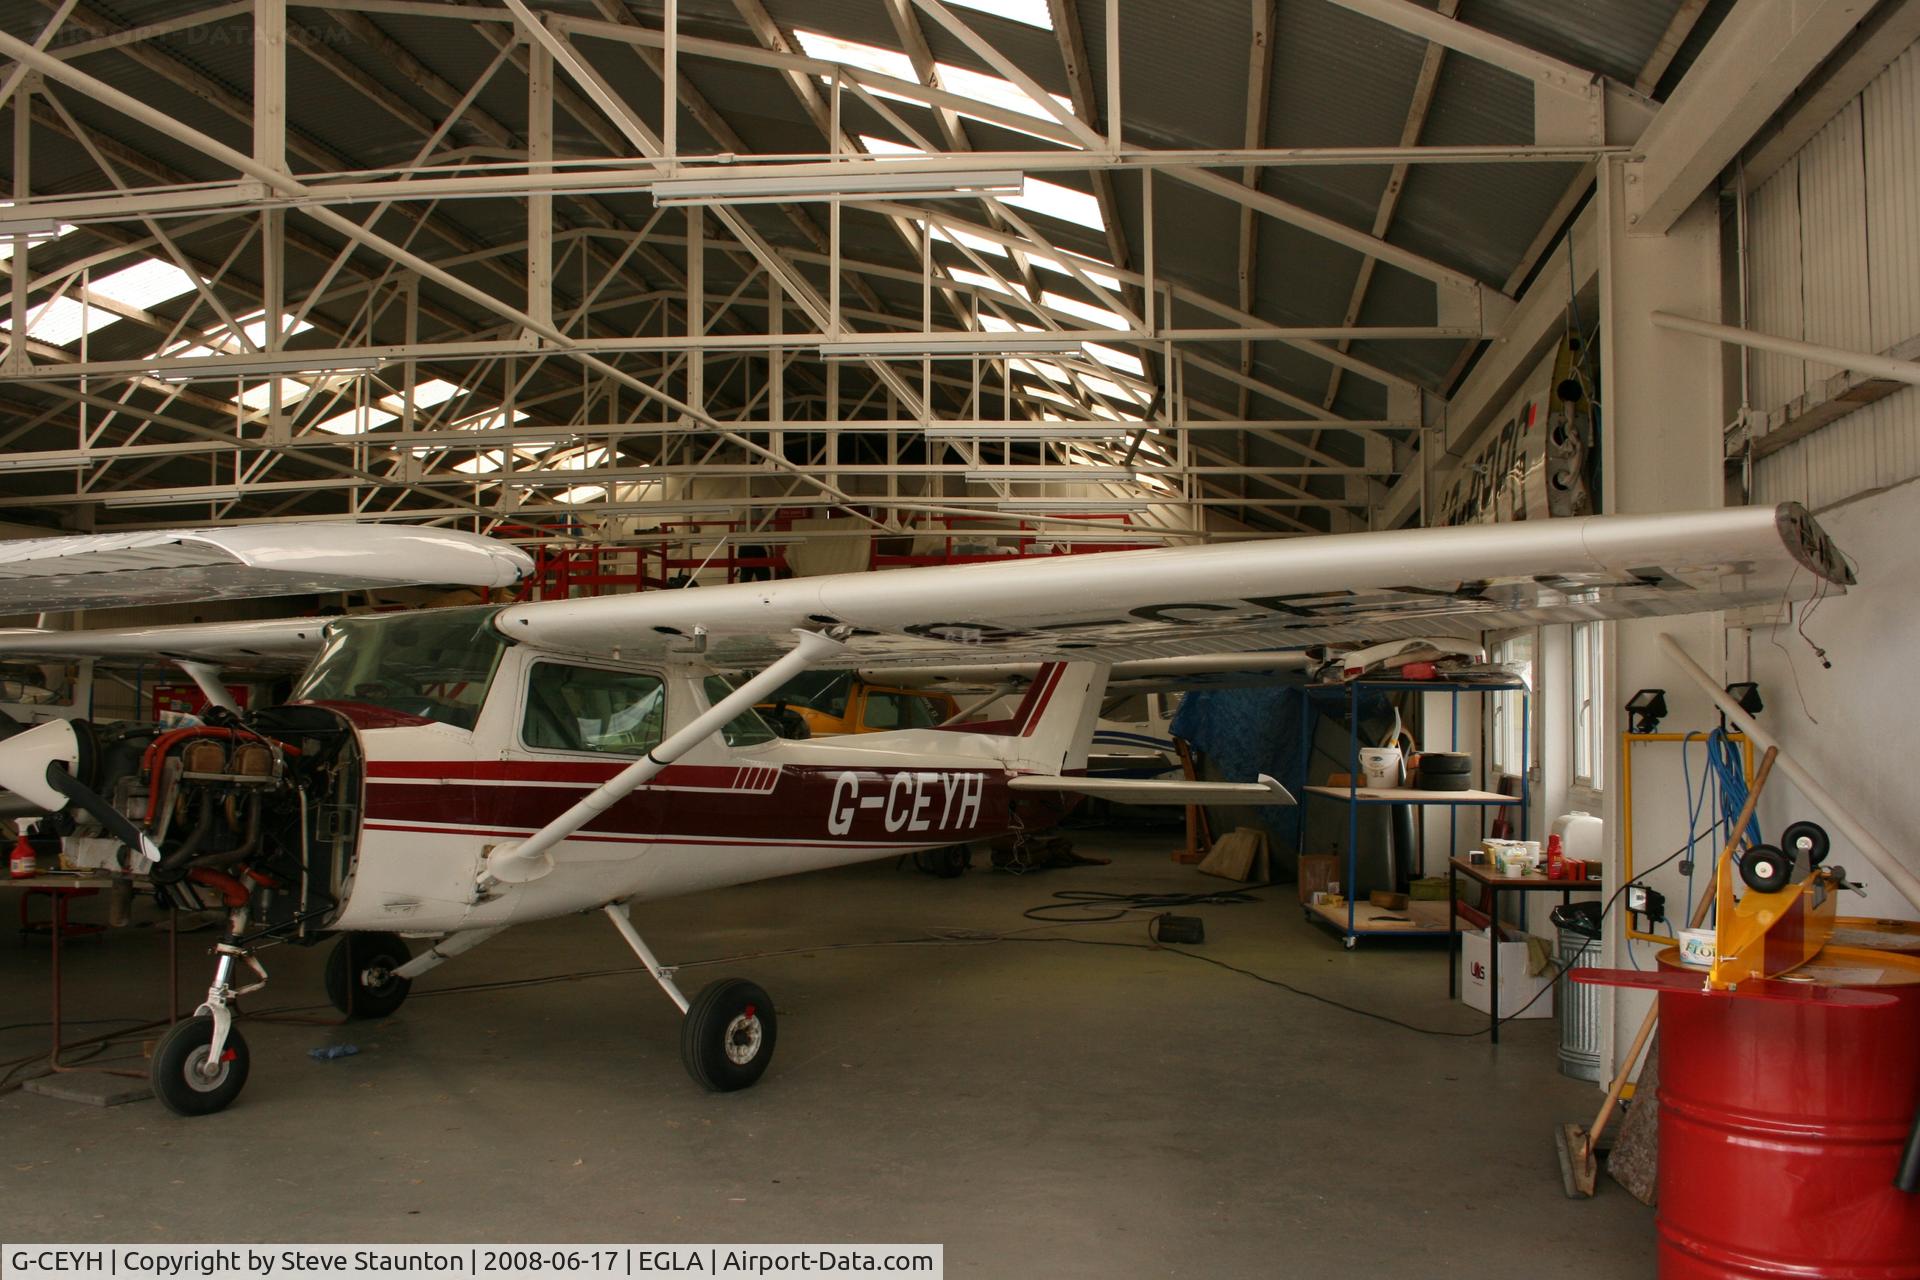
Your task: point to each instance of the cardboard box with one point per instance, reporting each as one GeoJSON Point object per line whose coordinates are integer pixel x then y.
{"type": "Point", "coordinates": [1517, 986]}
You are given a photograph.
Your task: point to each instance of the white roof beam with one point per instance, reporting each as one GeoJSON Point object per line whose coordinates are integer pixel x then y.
{"type": "Point", "coordinates": [1570, 104]}
{"type": "Point", "coordinates": [1760, 55]}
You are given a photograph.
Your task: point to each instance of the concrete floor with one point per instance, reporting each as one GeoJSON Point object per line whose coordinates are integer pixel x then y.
{"type": "Point", "coordinates": [1042, 1110]}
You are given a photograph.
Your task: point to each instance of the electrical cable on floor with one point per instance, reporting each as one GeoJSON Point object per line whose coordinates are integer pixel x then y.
{"type": "Point", "coordinates": [1115, 908]}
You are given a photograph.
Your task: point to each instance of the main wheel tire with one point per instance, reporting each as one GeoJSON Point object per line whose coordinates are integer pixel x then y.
{"type": "Point", "coordinates": [178, 1075]}
{"type": "Point", "coordinates": [1765, 868]}
{"type": "Point", "coordinates": [347, 986]}
{"type": "Point", "coordinates": [726, 1039]}
{"type": "Point", "coordinates": [1807, 840]}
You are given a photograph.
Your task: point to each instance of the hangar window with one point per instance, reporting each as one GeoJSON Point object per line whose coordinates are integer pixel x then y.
{"type": "Point", "coordinates": [1590, 717]}
{"type": "Point", "coordinates": [1506, 733]}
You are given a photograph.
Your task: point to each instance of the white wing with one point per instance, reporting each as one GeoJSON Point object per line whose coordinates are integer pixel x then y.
{"type": "Point", "coordinates": [275, 643]}
{"type": "Point", "coordinates": [106, 570]}
{"type": "Point", "coordinates": [1127, 606]}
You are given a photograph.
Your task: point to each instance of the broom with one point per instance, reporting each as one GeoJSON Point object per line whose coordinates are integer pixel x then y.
{"type": "Point", "coordinates": [1575, 1145]}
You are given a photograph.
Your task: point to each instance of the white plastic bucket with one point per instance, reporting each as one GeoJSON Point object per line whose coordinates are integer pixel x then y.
{"type": "Point", "coordinates": [1697, 947]}
{"type": "Point", "coordinates": [1381, 766]}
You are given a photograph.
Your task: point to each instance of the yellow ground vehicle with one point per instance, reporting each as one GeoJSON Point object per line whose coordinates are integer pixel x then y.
{"type": "Point", "coordinates": [830, 702]}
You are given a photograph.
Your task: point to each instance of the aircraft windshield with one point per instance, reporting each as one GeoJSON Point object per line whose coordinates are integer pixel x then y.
{"type": "Point", "coordinates": [436, 664]}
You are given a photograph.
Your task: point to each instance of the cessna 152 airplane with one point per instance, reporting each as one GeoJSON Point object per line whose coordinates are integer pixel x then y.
{"type": "Point", "coordinates": [446, 774]}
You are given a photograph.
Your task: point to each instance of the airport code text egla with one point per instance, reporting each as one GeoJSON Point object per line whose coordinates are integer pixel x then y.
{"type": "Point", "coordinates": [244, 1263]}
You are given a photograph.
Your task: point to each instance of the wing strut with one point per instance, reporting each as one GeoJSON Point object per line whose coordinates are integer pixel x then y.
{"type": "Point", "coordinates": [520, 861]}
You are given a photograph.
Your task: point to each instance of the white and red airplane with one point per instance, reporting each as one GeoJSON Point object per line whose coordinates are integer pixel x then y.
{"type": "Point", "coordinates": [446, 774]}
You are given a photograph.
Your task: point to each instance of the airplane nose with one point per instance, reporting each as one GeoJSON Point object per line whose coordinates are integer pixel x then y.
{"type": "Point", "coordinates": [25, 756]}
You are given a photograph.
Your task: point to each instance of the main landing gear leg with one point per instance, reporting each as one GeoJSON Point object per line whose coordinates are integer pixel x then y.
{"type": "Point", "coordinates": [200, 1065]}
{"type": "Point", "coordinates": [727, 1034]}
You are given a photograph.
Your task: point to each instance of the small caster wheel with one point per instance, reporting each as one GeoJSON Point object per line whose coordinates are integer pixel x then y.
{"type": "Point", "coordinates": [357, 956]}
{"type": "Point", "coordinates": [726, 1039]}
{"type": "Point", "coordinates": [182, 1078]}
{"type": "Point", "coordinates": [1806, 840]}
{"type": "Point", "coordinates": [1349, 940]}
{"type": "Point", "coordinates": [1765, 868]}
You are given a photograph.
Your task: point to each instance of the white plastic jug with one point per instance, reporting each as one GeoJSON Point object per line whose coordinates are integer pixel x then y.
{"type": "Point", "coordinates": [1381, 766]}
{"type": "Point", "coordinates": [1580, 835]}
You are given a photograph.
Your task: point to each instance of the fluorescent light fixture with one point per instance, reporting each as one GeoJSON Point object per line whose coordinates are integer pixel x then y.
{"type": "Point", "coordinates": [1072, 506]}
{"type": "Point", "coordinates": [1065, 473]}
{"type": "Point", "coordinates": [767, 185]}
{"type": "Point", "coordinates": [315, 365]}
{"type": "Point", "coordinates": [28, 462]}
{"type": "Point", "coordinates": [906, 345]}
{"type": "Point", "coordinates": [1021, 431]}
{"type": "Point", "coordinates": [31, 228]}
{"type": "Point", "coordinates": [230, 493]}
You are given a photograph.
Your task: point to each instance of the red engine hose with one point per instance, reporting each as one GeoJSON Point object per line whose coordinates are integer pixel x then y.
{"type": "Point", "coordinates": [232, 892]}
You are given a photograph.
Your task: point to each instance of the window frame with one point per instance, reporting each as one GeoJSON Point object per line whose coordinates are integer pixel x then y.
{"type": "Point", "coordinates": [1587, 718]}
{"type": "Point", "coordinates": [526, 702]}
{"type": "Point", "coordinates": [1505, 718]}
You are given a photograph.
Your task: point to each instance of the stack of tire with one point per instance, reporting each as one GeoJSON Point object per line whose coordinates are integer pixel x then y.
{"type": "Point", "coordinates": [1446, 771]}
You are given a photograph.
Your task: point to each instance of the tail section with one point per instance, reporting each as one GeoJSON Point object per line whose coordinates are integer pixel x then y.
{"type": "Point", "coordinates": [1051, 728]}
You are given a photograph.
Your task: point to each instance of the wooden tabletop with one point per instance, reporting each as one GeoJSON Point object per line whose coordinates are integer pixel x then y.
{"type": "Point", "coordinates": [1485, 874]}
{"type": "Point", "coordinates": [1413, 795]}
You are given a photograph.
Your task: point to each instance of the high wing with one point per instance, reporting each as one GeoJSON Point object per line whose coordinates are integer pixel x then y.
{"type": "Point", "coordinates": [277, 643]}
{"type": "Point", "coordinates": [1145, 675]}
{"type": "Point", "coordinates": [1175, 601]}
{"type": "Point", "coordinates": [172, 566]}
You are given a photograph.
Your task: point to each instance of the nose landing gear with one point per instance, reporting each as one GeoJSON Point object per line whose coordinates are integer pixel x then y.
{"type": "Point", "coordinates": [200, 1065]}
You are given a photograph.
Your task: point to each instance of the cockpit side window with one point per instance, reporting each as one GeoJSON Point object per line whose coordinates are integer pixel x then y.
{"type": "Point", "coordinates": [573, 708]}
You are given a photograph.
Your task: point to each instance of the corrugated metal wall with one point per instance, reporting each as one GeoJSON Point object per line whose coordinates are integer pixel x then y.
{"type": "Point", "coordinates": [1834, 258]}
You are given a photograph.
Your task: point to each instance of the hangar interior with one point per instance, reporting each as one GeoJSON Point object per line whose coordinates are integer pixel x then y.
{"type": "Point", "coordinates": [720, 294]}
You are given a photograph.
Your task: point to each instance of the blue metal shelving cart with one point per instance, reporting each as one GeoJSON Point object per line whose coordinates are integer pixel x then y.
{"type": "Point", "coordinates": [1356, 920]}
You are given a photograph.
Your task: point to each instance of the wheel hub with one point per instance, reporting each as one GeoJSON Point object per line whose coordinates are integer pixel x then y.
{"type": "Point", "coordinates": [743, 1037]}
{"type": "Point", "coordinates": [204, 1074]}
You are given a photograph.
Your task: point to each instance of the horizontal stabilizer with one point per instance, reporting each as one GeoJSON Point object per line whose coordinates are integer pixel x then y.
{"type": "Point", "coordinates": [1152, 791]}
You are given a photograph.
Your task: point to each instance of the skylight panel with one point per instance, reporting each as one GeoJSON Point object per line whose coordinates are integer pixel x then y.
{"type": "Point", "coordinates": [144, 285]}
{"type": "Point", "coordinates": [1108, 387]}
{"type": "Point", "coordinates": [489, 421]}
{"type": "Point", "coordinates": [254, 325]}
{"type": "Point", "coordinates": [483, 464]}
{"type": "Point", "coordinates": [995, 92]}
{"type": "Point", "coordinates": [355, 421]}
{"type": "Point", "coordinates": [261, 396]}
{"type": "Point", "coordinates": [426, 395]}
{"type": "Point", "coordinates": [1114, 358]}
{"type": "Point", "coordinates": [582, 493]}
{"type": "Point", "coordinates": [1032, 12]}
{"type": "Point", "coordinates": [1059, 202]}
{"type": "Point", "coordinates": [981, 280]}
{"type": "Point", "coordinates": [1105, 280]}
{"type": "Point", "coordinates": [62, 321]}
{"type": "Point", "coordinates": [888, 62]}
{"type": "Point", "coordinates": [1085, 310]}
{"type": "Point", "coordinates": [987, 89]}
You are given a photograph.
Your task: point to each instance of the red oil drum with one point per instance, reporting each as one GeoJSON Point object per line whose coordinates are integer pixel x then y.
{"type": "Point", "coordinates": [1782, 1122]}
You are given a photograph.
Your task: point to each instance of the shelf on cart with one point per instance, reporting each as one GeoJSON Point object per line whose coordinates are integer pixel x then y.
{"type": "Point", "coordinates": [1412, 795]}
{"type": "Point", "coordinates": [1426, 917]}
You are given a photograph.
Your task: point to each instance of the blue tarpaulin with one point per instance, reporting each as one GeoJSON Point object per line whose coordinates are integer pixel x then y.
{"type": "Point", "coordinates": [1244, 733]}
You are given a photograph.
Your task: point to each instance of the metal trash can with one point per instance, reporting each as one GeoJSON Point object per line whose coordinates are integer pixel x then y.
{"type": "Point", "coordinates": [1578, 1004]}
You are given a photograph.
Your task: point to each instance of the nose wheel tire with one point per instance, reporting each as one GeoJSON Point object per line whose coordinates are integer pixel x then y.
{"type": "Point", "coordinates": [360, 981]}
{"type": "Point", "coordinates": [1766, 869]}
{"type": "Point", "coordinates": [726, 1039]}
{"type": "Point", "coordinates": [186, 1083]}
